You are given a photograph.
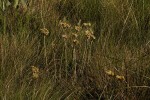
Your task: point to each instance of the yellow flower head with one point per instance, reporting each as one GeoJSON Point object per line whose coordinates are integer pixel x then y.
{"type": "Point", "coordinates": [44, 31]}
{"type": "Point", "coordinates": [121, 78]}
{"type": "Point", "coordinates": [87, 24]}
{"type": "Point", "coordinates": [64, 36]}
{"type": "Point", "coordinates": [64, 24]}
{"type": "Point", "coordinates": [35, 72]}
{"type": "Point", "coordinates": [110, 73]}
{"type": "Point", "coordinates": [89, 34]}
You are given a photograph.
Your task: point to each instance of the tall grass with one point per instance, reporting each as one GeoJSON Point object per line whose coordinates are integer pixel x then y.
{"type": "Point", "coordinates": [88, 49]}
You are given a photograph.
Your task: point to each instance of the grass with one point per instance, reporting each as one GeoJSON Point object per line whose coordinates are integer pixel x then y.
{"type": "Point", "coordinates": [75, 50]}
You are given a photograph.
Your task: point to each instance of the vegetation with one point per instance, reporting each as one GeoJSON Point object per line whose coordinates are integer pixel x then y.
{"type": "Point", "coordinates": [75, 50]}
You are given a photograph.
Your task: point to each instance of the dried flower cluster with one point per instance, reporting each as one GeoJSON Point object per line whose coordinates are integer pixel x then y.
{"type": "Point", "coordinates": [74, 31]}
{"type": "Point", "coordinates": [89, 34]}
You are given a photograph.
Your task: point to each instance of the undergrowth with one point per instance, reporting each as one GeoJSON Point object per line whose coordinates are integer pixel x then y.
{"type": "Point", "coordinates": [75, 50]}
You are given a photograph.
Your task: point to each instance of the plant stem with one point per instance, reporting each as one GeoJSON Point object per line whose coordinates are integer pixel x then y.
{"type": "Point", "coordinates": [4, 23]}
{"type": "Point", "coordinates": [75, 63]}
{"type": "Point", "coordinates": [66, 62]}
{"type": "Point", "coordinates": [55, 75]}
{"type": "Point", "coordinates": [45, 51]}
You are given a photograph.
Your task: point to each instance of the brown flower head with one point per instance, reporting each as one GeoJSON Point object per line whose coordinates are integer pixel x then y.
{"type": "Point", "coordinates": [44, 31]}
{"type": "Point", "coordinates": [75, 41]}
{"type": "Point", "coordinates": [90, 34]}
{"type": "Point", "coordinates": [35, 72]}
{"type": "Point", "coordinates": [64, 24]}
{"type": "Point", "coordinates": [78, 28]}
{"type": "Point", "coordinates": [64, 36]}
